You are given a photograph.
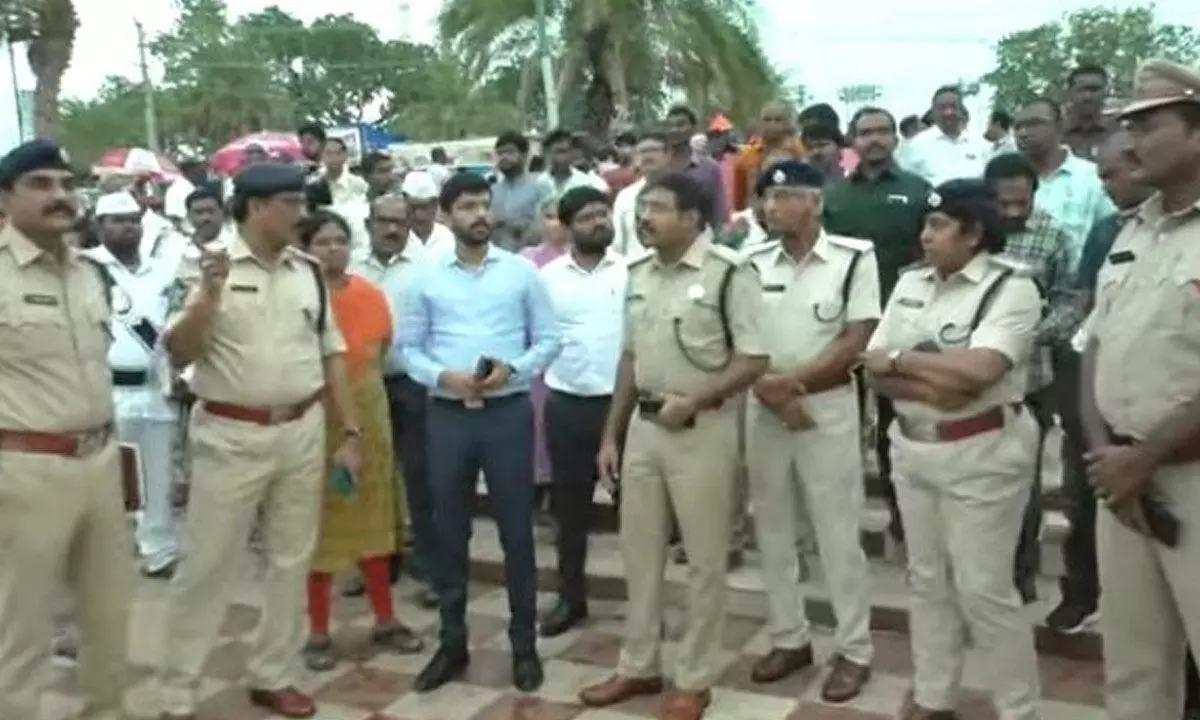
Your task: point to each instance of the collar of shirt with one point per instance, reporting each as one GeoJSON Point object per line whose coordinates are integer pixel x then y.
{"type": "Point", "coordinates": [238, 250]}
{"type": "Point", "coordinates": [493, 255]}
{"type": "Point", "coordinates": [611, 258]}
{"type": "Point", "coordinates": [104, 256]}
{"type": "Point", "coordinates": [25, 251]}
{"type": "Point", "coordinates": [1152, 210]}
{"type": "Point", "coordinates": [820, 250]}
{"type": "Point", "coordinates": [693, 257]}
{"type": "Point", "coordinates": [888, 173]}
{"type": "Point", "coordinates": [974, 271]}
{"type": "Point", "coordinates": [1071, 165]}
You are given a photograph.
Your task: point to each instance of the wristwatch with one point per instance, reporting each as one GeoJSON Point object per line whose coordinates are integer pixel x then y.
{"type": "Point", "coordinates": [893, 357]}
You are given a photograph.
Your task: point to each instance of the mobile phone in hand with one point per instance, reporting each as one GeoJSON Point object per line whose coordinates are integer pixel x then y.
{"type": "Point", "coordinates": [344, 482]}
{"type": "Point", "coordinates": [484, 367]}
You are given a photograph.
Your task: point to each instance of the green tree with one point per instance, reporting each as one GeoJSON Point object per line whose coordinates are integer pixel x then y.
{"type": "Point", "coordinates": [48, 26]}
{"type": "Point", "coordinates": [113, 118]}
{"type": "Point", "coordinates": [625, 55]}
{"type": "Point", "coordinates": [1037, 61]}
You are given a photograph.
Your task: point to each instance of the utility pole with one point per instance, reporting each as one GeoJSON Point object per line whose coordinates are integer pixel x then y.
{"type": "Point", "coordinates": [548, 85]}
{"type": "Point", "coordinates": [148, 90]}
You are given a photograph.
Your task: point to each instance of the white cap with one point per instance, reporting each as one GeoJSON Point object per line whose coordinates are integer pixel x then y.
{"type": "Point", "coordinates": [118, 203]}
{"type": "Point", "coordinates": [419, 185]}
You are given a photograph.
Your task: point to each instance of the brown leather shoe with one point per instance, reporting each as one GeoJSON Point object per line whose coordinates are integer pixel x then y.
{"type": "Point", "coordinates": [781, 662]}
{"type": "Point", "coordinates": [912, 711]}
{"type": "Point", "coordinates": [845, 680]}
{"type": "Point", "coordinates": [685, 705]}
{"type": "Point", "coordinates": [288, 702]}
{"type": "Point", "coordinates": [618, 689]}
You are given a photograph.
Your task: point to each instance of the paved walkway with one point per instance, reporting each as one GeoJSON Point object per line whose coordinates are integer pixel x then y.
{"type": "Point", "coordinates": [377, 687]}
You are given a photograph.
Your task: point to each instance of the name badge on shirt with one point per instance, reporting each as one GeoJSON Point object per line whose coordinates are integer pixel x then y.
{"type": "Point", "coordinates": [243, 288]}
{"type": "Point", "coordinates": [43, 300]}
{"type": "Point", "coordinates": [774, 288]}
{"type": "Point", "coordinates": [902, 199]}
{"type": "Point", "coordinates": [1119, 258]}
{"type": "Point", "coordinates": [910, 302]}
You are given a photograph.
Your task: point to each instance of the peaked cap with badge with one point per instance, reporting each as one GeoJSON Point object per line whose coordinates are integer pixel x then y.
{"type": "Point", "coordinates": [789, 173]}
{"type": "Point", "coordinates": [1160, 83]}
{"type": "Point", "coordinates": [39, 154]}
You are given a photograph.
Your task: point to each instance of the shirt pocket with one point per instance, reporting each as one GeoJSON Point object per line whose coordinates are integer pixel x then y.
{"type": "Point", "coordinates": [31, 331]}
{"type": "Point", "coordinates": [700, 334]}
{"type": "Point", "coordinates": [1183, 303]}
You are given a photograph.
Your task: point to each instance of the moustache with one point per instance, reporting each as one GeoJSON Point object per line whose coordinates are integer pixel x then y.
{"type": "Point", "coordinates": [482, 224]}
{"type": "Point", "coordinates": [59, 208]}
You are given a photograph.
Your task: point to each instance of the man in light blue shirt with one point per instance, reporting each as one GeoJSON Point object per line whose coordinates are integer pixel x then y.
{"type": "Point", "coordinates": [475, 326]}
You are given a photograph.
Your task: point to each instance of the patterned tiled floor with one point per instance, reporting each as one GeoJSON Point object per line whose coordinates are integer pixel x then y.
{"type": "Point", "coordinates": [368, 686]}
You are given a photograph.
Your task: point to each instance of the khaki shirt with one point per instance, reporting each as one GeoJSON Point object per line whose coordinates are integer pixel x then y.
{"type": "Point", "coordinates": [804, 310]}
{"type": "Point", "coordinates": [1146, 320]}
{"type": "Point", "coordinates": [672, 321]}
{"type": "Point", "coordinates": [264, 349]}
{"type": "Point", "coordinates": [54, 339]}
{"type": "Point", "coordinates": [925, 308]}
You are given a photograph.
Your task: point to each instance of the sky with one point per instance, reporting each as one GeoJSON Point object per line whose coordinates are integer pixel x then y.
{"type": "Point", "coordinates": [909, 47]}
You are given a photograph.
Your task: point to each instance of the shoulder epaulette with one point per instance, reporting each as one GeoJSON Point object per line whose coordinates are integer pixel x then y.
{"type": "Point", "coordinates": [851, 243]}
{"type": "Point", "coordinates": [1016, 267]}
{"type": "Point", "coordinates": [761, 248]}
{"type": "Point", "coordinates": [918, 265]}
{"type": "Point", "coordinates": [729, 255]}
{"type": "Point", "coordinates": [640, 259]}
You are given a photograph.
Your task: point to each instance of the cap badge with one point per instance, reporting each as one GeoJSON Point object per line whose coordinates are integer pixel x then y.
{"type": "Point", "coordinates": [779, 177]}
{"type": "Point", "coordinates": [63, 156]}
{"type": "Point", "coordinates": [935, 200]}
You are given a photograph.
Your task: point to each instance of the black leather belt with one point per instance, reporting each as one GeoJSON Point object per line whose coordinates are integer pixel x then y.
{"type": "Point", "coordinates": [130, 378]}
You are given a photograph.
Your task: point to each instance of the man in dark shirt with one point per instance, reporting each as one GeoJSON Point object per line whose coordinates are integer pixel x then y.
{"type": "Point", "coordinates": [680, 124]}
{"type": "Point", "coordinates": [1087, 126]}
{"type": "Point", "coordinates": [886, 205]}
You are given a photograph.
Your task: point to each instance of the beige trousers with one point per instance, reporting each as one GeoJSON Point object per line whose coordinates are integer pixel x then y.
{"type": "Point", "coordinates": [63, 517]}
{"type": "Point", "coordinates": [237, 466]}
{"type": "Point", "coordinates": [692, 472]}
{"type": "Point", "coordinates": [962, 504]}
{"type": "Point", "coordinates": [1150, 604]}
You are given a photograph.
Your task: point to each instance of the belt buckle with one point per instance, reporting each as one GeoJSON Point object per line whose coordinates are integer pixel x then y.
{"type": "Point", "coordinates": [90, 442]}
{"type": "Point", "coordinates": [920, 431]}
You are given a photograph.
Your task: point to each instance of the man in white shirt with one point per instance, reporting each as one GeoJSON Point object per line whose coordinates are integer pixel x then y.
{"type": "Point", "coordinates": [421, 191]}
{"type": "Point", "coordinates": [651, 160]}
{"type": "Point", "coordinates": [345, 186]}
{"type": "Point", "coordinates": [559, 149]}
{"type": "Point", "coordinates": [139, 289]}
{"type": "Point", "coordinates": [388, 263]}
{"type": "Point", "coordinates": [586, 286]}
{"type": "Point", "coordinates": [946, 151]}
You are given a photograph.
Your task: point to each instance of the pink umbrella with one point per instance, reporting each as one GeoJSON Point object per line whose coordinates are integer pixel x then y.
{"type": "Point", "coordinates": [276, 145]}
{"type": "Point", "coordinates": [135, 161]}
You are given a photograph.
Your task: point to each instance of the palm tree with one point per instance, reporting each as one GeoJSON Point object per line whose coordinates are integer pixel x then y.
{"type": "Point", "coordinates": [625, 53]}
{"type": "Point", "coordinates": [49, 27]}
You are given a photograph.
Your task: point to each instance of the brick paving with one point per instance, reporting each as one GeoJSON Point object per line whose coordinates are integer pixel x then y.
{"type": "Point", "coordinates": [371, 686]}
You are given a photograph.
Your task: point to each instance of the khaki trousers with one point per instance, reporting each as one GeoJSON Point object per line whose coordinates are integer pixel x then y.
{"type": "Point", "coordinates": [962, 504]}
{"type": "Point", "coordinates": [1150, 604]}
{"type": "Point", "coordinates": [692, 472]}
{"type": "Point", "coordinates": [63, 517]}
{"type": "Point", "coordinates": [820, 470]}
{"type": "Point", "coordinates": [236, 467]}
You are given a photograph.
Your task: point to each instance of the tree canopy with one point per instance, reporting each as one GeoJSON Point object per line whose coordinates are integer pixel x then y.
{"type": "Point", "coordinates": [1037, 61]}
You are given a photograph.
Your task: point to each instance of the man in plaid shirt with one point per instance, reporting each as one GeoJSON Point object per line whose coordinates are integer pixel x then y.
{"type": "Point", "coordinates": [1041, 243]}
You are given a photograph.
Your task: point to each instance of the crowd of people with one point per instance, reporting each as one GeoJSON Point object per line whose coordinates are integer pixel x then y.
{"type": "Point", "coordinates": [700, 326]}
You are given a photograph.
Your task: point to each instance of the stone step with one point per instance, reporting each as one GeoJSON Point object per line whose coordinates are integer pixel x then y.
{"type": "Point", "coordinates": [747, 597]}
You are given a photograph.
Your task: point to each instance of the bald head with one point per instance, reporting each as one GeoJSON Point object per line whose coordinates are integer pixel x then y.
{"type": "Point", "coordinates": [775, 122]}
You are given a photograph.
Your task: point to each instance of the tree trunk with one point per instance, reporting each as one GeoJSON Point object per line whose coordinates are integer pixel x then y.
{"type": "Point", "coordinates": [529, 74]}
{"type": "Point", "coordinates": [614, 72]}
{"type": "Point", "coordinates": [567, 73]}
{"type": "Point", "coordinates": [49, 57]}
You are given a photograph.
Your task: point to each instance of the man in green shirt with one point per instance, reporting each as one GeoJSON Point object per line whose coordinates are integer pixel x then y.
{"type": "Point", "coordinates": [886, 205]}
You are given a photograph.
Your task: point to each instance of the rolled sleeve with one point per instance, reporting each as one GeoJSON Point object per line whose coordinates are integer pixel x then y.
{"type": "Point", "coordinates": [863, 303]}
{"type": "Point", "coordinates": [1009, 325]}
{"type": "Point", "coordinates": [745, 312]}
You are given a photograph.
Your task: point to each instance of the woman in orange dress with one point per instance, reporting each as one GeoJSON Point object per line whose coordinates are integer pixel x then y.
{"type": "Point", "coordinates": [357, 518]}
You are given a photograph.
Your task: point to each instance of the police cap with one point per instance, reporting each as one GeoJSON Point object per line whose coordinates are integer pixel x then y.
{"type": "Point", "coordinates": [39, 154]}
{"type": "Point", "coordinates": [789, 173]}
{"type": "Point", "coordinates": [970, 201]}
{"type": "Point", "coordinates": [265, 179]}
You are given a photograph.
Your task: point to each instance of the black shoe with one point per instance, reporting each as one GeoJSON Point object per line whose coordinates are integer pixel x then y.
{"type": "Point", "coordinates": [561, 618]}
{"type": "Point", "coordinates": [527, 671]}
{"type": "Point", "coordinates": [444, 666]}
{"type": "Point", "coordinates": [166, 572]}
{"type": "Point", "coordinates": [1070, 618]}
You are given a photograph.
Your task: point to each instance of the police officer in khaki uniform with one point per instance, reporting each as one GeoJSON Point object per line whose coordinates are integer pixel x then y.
{"type": "Point", "coordinates": [61, 510]}
{"type": "Point", "coordinates": [1143, 423]}
{"type": "Point", "coordinates": [257, 330]}
{"type": "Point", "coordinates": [691, 347]}
{"type": "Point", "coordinates": [821, 301]}
{"type": "Point", "coordinates": [952, 352]}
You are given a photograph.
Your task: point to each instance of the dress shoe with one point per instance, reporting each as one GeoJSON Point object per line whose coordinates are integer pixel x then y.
{"type": "Point", "coordinates": [527, 671]}
{"type": "Point", "coordinates": [166, 572]}
{"type": "Point", "coordinates": [845, 680]}
{"type": "Point", "coordinates": [561, 618]}
{"type": "Point", "coordinates": [397, 637]}
{"type": "Point", "coordinates": [781, 662]}
{"type": "Point", "coordinates": [912, 711]}
{"type": "Point", "coordinates": [427, 598]}
{"type": "Point", "coordinates": [446, 665]}
{"type": "Point", "coordinates": [288, 702]}
{"type": "Point", "coordinates": [685, 706]}
{"type": "Point", "coordinates": [618, 689]}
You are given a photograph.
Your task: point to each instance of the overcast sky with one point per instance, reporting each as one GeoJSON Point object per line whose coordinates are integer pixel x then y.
{"type": "Point", "coordinates": [908, 46]}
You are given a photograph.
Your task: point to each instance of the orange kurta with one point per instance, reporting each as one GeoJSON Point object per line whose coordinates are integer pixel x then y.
{"type": "Point", "coordinates": [365, 524]}
{"type": "Point", "coordinates": [749, 164]}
